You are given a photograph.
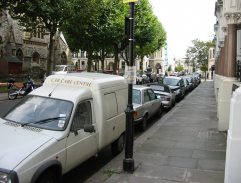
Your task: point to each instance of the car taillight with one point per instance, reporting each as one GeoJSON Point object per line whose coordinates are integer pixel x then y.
{"type": "Point", "coordinates": [135, 114]}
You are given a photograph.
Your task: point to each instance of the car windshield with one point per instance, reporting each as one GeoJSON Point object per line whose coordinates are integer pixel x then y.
{"type": "Point", "coordinates": [189, 80]}
{"type": "Point", "coordinates": [170, 81]}
{"type": "Point", "coordinates": [136, 96]}
{"type": "Point", "coordinates": [59, 68]}
{"type": "Point", "coordinates": [41, 112]}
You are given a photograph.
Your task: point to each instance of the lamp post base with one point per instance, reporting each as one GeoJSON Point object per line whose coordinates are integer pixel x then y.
{"type": "Point", "coordinates": [128, 165]}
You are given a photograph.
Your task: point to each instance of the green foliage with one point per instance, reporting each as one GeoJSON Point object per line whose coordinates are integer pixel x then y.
{"type": "Point", "coordinates": [197, 54]}
{"type": "Point", "coordinates": [150, 35]}
{"type": "Point", "coordinates": [40, 16]}
{"type": "Point", "coordinates": [95, 26]}
{"type": "Point", "coordinates": [179, 68]}
{"type": "Point", "coordinates": [169, 68]}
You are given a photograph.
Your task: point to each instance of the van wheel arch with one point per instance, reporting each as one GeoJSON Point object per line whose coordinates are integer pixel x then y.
{"type": "Point", "coordinates": [52, 167]}
{"type": "Point", "coordinates": [118, 145]}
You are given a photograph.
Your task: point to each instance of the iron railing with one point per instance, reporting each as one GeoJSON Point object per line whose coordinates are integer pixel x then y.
{"type": "Point", "coordinates": [238, 70]}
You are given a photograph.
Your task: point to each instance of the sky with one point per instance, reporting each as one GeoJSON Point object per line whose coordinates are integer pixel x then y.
{"type": "Point", "coordinates": [184, 21]}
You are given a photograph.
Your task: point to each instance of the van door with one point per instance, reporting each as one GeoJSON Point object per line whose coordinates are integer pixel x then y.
{"type": "Point", "coordinates": [80, 144]}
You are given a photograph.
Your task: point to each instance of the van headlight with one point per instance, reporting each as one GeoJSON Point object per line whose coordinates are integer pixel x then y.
{"type": "Point", "coordinates": [8, 176]}
{"type": "Point", "coordinates": [5, 178]}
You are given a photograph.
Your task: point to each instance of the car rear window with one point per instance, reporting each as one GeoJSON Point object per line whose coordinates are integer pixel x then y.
{"type": "Point", "coordinates": [160, 88]}
{"type": "Point", "coordinates": [136, 96]}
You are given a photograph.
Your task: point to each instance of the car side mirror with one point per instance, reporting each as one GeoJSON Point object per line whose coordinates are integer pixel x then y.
{"type": "Point", "coordinates": [89, 128]}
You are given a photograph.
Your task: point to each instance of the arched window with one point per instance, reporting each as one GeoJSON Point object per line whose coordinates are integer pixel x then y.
{"type": "Point", "coordinates": [63, 58]}
{"type": "Point", "coordinates": [19, 54]}
{"type": "Point", "coordinates": [35, 58]}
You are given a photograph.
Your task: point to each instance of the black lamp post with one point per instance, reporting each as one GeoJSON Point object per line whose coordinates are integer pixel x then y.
{"type": "Point", "coordinates": [128, 162]}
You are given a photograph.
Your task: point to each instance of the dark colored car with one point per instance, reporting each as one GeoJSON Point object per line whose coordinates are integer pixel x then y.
{"type": "Point", "coordinates": [191, 82]}
{"type": "Point", "coordinates": [177, 86]}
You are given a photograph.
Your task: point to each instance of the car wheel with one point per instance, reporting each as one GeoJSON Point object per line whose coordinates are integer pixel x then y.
{"type": "Point", "coordinates": [12, 94]}
{"type": "Point", "coordinates": [118, 145]}
{"type": "Point", "coordinates": [159, 112]}
{"type": "Point", "coordinates": [143, 124]}
{"type": "Point", "coordinates": [173, 103]}
{"type": "Point", "coordinates": [48, 177]}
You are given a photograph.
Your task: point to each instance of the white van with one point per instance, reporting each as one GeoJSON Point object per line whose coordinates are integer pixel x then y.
{"type": "Point", "coordinates": [61, 124]}
{"type": "Point", "coordinates": [64, 69]}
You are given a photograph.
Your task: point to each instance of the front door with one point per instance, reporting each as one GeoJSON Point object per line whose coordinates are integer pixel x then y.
{"type": "Point", "coordinates": [81, 145]}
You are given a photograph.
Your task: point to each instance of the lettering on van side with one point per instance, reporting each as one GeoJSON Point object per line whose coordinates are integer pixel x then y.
{"type": "Point", "coordinates": [70, 82]}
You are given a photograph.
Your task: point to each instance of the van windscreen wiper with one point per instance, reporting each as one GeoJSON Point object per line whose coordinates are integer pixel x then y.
{"type": "Point", "coordinates": [43, 121]}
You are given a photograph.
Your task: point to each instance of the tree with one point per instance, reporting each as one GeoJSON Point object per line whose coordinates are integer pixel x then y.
{"type": "Point", "coordinates": [197, 54]}
{"type": "Point", "coordinates": [179, 68]}
{"type": "Point", "coordinates": [149, 32]}
{"type": "Point", "coordinates": [40, 15]}
{"type": "Point", "coordinates": [99, 31]}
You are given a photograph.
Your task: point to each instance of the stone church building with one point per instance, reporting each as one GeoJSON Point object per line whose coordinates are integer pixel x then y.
{"type": "Point", "coordinates": [25, 53]}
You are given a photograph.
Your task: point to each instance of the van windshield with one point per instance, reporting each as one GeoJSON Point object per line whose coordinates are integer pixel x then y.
{"type": "Point", "coordinates": [41, 112]}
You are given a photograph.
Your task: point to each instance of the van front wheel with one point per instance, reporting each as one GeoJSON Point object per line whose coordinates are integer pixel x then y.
{"type": "Point", "coordinates": [48, 177]}
{"type": "Point", "coordinates": [118, 145]}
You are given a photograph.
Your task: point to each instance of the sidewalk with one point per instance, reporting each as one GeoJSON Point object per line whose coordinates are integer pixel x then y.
{"type": "Point", "coordinates": [184, 146]}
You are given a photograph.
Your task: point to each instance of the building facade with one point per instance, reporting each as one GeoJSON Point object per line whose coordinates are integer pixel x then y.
{"type": "Point", "coordinates": [227, 54]}
{"type": "Point", "coordinates": [155, 61]}
{"type": "Point", "coordinates": [25, 53]}
{"type": "Point", "coordinates": [227, 82]}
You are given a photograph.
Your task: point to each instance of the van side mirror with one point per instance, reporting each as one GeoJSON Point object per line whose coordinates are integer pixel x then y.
{"type": "Point", "coordinates": [89, 128]}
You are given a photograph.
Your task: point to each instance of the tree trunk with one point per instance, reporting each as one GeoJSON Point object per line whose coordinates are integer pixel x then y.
{"type": "Point", "coordinates": [102, 64]}
{"type": "Point", "coordinates": [116, 59]}
{"type": "Point", "coordinates": [50, 55]}
{"type": "Point", "coordinates": [141, 63]}
{"type": "Point", "coordinates": [89, 62]}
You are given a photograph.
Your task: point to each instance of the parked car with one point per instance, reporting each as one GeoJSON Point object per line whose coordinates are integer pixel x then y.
{"type": "Point", "coordinates": [139, 78]}
{"type": "Point", "coordinates": [168, 98]}
{"type": "Point", "coordinates": [145, 105]}
{"type": "Point", "coordinates": [191, 82]}
{"type": "Point", "coordinates": [186, 85]}
{"type": "Point", "coordinates": [177, 86]}
{"type": "Point", "coordinates": [198, 77]}
{"type": "Point", "coordinates": [64, 69]}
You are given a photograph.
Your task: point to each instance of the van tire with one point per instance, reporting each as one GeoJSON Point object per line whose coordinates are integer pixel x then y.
{"type": "Point", "coordinates": [118, 145]}
{"type": "Point", "coordinates": [48, 177]}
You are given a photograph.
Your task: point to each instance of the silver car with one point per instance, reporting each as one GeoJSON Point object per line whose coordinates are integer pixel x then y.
{"type": "Point", "coordinates": [145, 105]}
{"type": "Point", "coordinates": [165, 93]}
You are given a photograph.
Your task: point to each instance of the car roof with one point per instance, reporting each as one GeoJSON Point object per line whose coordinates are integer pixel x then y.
{"type": "Point", "coordinates": [174, 77]}
{"type": "Point", "coordinates": [141, 87]}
